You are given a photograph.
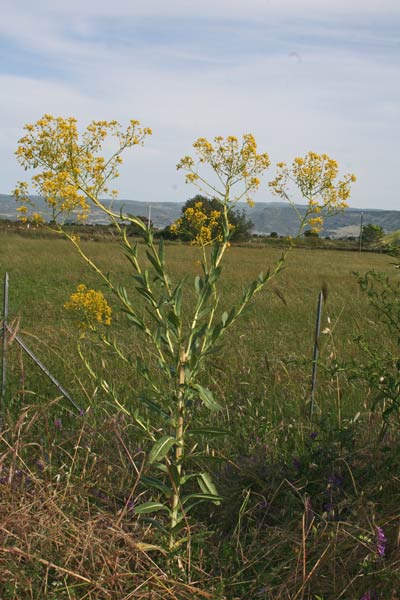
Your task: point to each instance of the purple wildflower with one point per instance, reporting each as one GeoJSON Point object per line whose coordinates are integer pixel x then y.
{"type": "Point", "coordinates": [336, 480]}
{"type": "Point", "coordinates": [371, 595]}
{"type": "Point", "coordinates": [58, 424]}
{"type": "Point", "coordinates": [297, 464]}
{"type": "Point", "coordinates": [380, 542]}
{"type": "Point", "coordinates": [130, 504]}
{"type": "Point", "coordinates": [313, 435]}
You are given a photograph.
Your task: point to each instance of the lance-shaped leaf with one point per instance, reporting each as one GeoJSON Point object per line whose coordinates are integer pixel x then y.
{"type": "Point", "coordinates": [156, 484]}
{"type": "Point", "coordinates": [177, 299]}
{"type": "Point", "coordinates": [207, 485]}
{"type": "Point", "coordinates": [155, 264]}
{"type": "Point", "coordinates": [202, 498]}
{"type": "Point", "coordinates": [138, 321]}
{"type": "Point", "coordinates": [123, 295]}
{"type": "Point", "coordinates": [206, 396]}
{"type": "Point", "coordinates": [161, 251]}
{"type": "Point", "coordinates": [161, 448]}
{"type": "Point", "coordinates": [213, 275]}
{"type": "Point", "coordinates": [148, 295]}
{"type": "Point", "coordinates": [212, 431]}
{"type": "Point", "coordinates": [150, 507]}
{"type": "Point", "coordinates": [198, 284]}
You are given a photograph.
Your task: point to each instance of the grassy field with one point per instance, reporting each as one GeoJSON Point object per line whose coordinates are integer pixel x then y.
{"type": "Point", "coordinates": [274, 336]}
{"type": "Point", "coordinates": [275, 537]}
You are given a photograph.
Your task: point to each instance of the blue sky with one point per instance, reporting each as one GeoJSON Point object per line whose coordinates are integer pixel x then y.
{"type": "Point", "coordinates": [300, 75]}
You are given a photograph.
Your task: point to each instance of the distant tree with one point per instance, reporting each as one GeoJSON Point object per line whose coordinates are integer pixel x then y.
{"type": "Point", "coordinates": [372, 234]}
{"type": "Point", "coordinates": [273, 234]}
{"type": "Point", "coordinates": [242, 226]}
{"type": "Point", "coordinates": [310, 233]}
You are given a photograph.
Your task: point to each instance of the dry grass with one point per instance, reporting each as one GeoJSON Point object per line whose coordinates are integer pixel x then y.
{"type": "Point", "coordinates": [57, 542]}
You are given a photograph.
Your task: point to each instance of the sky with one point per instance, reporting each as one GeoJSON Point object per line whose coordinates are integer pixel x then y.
{"type": "Point", "coordinates": [299, 74]}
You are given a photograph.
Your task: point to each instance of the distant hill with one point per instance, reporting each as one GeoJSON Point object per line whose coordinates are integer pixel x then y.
{"type": "Point", "coordinates": [266, 216]}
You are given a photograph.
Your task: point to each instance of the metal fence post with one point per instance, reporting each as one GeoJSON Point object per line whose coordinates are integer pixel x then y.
{"type": "Point", "coordinates": [316, 352]}
{"type": "Point", "coordinates": [4, 357]}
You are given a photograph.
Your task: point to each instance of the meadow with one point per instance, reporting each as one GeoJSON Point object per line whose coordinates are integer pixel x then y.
{"type": "Point", "coordinates": [264, 353]}
{"type": "Point", "coordinates": [309, 509]}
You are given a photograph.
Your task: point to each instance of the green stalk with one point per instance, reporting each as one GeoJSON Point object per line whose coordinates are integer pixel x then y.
{"type": "Point", "coordinates": [179, 449]}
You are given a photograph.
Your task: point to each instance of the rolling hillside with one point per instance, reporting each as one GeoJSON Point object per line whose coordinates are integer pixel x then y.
{"type": "Point", "coordinates": [266, 216]}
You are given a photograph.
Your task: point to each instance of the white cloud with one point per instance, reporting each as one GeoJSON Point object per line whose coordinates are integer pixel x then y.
{"type": "Point", "coordinates": [292, 87]}
{"type": "Point", "coordinates": [207, 8]}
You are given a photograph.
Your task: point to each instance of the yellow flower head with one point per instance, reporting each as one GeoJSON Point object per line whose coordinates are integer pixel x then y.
{"type": "Point", "coordinates": [90, 305]}
{"type": "Point", "coordinates": [235, 163]}
{"type": "Point", "coordinates": [202, 228]}
{"type": "Point", "coordinates": [71, 171]}
{"type": "Point", "coordinates": [316, 178]}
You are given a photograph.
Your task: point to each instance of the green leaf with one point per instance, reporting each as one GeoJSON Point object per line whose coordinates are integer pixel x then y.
{"type": "Point", "coordinates": [214, 274]}
{"type": "Point", "coordinates": [149, 507]}
{"type": "Point", "coordinates": [136, 320]}
{"type": "Point", "coordinates": [205, 294]}
{"type": "Point", "coordinates": [214, 253]}
{"type": "Point", "coordinates": [174, 321]}
{"type": "Point", "coordinates": [203, 498]}
{"type": "Point", "coordinates": [207, 485]}
{"type": "Point", "coordinates": [123, 295]}
{"type": "Point", "coordinates": [204, 313]}
{"type": "Point", "coordinates": [208, 431]}
{"type": "Point", "coordinates": [156, 523]}
{"type": "Point", "coordinates": [216, 332]}
{"type": "Point", "coordinates": [153, 482]}
{"type": "Point", "coordinates": [174, 474]}
{"type": "Point", "coordinates": [177, 298]}
{"type": "Point", "coordinates": [153, 405]}
{"type": "Point", "coordinates": [161, 448]}
{"type": "Point", "coordinates": [206, 396]}
{"type": "Point", "coordinates": [229, 317]}
{"type": "Point", "coordinates": [161, 467]}
{"type": "Point", "coordinates": [161, 251]}
{"type": "Point", "coordinates": [179, 526]}
{"type": "Point", "coordinates": [148, 295]}
{"type": "Point", "coordinates": [198, 284]}
{"type": "Point", "coordinates": [155, 264]}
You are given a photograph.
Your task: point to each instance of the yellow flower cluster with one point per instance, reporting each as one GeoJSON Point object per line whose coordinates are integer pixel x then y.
{"type": "Point", "coordinates": [90, 305]}
{"type": "Point", "coordinates": [233, 162]}
{"type": "Point", "coordinates": [315, 175]}
{"type": "Point", "coordinates": [72, 171]}
{"type": "Point", "coordinates": [34, 217]}
{"type": "Point", "coordinates": [202, 228]}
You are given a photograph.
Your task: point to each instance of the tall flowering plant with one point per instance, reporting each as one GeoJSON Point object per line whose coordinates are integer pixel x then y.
{"type": "Point", "coordinates": [72, 176]}
{"type": "Point", "coordinates": [315, 176]}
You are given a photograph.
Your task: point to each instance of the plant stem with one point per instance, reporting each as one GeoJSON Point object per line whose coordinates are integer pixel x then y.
{"type": "Point", "coordinates": [179, 435]}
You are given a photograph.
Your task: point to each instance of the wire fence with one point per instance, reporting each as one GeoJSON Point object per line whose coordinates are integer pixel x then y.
{"type": "Point", "coordinates": [33, 320]}
{"type": "Point", "coordinates": [10, 334]}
